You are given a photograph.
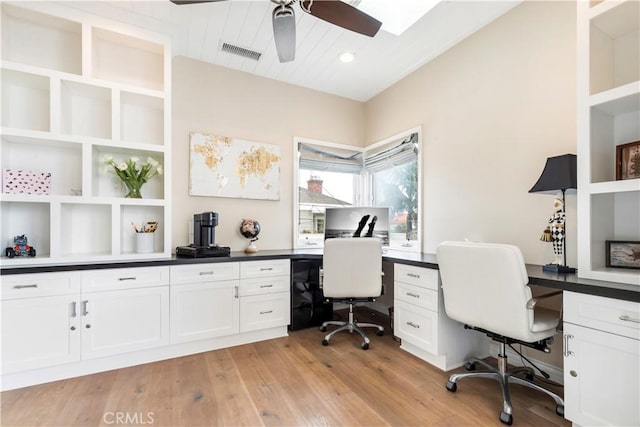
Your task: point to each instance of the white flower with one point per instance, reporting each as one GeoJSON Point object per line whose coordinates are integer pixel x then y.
{"type": "Point", "coordinates": [108, 158]}
{"type": "Point", "coordinates": [122, 166]}
{"type": "Point", "coordinates": [153, 162]}
{"type": "Point", "coordinates": [159, 170]}
{"type": "Point", "coordinates": [134, 159]}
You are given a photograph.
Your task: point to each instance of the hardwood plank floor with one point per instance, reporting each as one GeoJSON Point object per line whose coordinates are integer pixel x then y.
{"type": "Point", "coordinates": [291, 381]}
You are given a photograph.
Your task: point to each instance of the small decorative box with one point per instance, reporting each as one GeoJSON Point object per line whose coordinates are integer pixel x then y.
{"type": "Point", "coordinates": [18, 181]}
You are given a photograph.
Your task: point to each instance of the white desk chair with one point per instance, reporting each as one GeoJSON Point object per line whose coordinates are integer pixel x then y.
{"type": "Point", "coordinates": [351, 272]}
{"type": "Point", "coordinates": [485, 286]}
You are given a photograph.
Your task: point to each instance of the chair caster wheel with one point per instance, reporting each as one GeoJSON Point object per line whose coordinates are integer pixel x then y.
{"type": "Point", "coordinates": [325, 342]}
{"type": "Point", "coordinates": [506, 418]}
{"type": "Point", "coordinates": [470, 366]}
{"type": "Point", "coordinates": [323, 329]}
{"type": "Point", "coordinates": [364, 345]}
{"type": "Point", "coordinates": [560, 410]}
{"type": "Point", "coordinates": [379, 333]}
{"type": "Point", "coordinates": [451, 386]}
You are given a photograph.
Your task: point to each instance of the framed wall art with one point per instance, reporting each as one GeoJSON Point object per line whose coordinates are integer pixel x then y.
{"type": "Point", "coordinates": [628, 160]}
{"type": "Point", "coordinates": [623, 254]}
{"type": "Point", "coordinates": [228, 167]}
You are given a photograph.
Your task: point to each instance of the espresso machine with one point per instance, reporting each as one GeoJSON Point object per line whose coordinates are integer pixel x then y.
{"type": "Point", "coordinates": [204, 238]}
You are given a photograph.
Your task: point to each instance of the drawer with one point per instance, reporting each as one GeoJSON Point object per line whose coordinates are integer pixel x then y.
{"type": "Point", "coordinates": [425, 298]}
{"type": "Point", "coordinates": [274, 267]}
{"type": "Point", "coordinates": [201, 273]}
{"type": "Point", "coordinates": [416, 326]}
{"type": "Point", "coordinates": [124, 278]}
{"type": "Point", "coordinates": [417, 276]}
{"type": "Point", "coordinates": [605, 314]}
{"type": "Point", "coordinates": [267, 285]}
{"type": "Point", "coordinates": [264, 311]}
{"type": "Point", "coordinates": [39, 285]}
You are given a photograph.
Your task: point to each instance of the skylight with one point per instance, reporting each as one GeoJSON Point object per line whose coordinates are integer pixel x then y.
{"type": "Point", "coordinates": [396, 15]}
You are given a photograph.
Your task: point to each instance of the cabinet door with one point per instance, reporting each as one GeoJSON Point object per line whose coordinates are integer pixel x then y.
{"type": "Point", "coordinates": [264, 311]}
{"type": "Point", "coordinates": [416, 325]}
{"type": "Point", "coordinates": [204, 310]}
{"type": "Point", "coordinates": [601, 377]}
{"type": "Point", "coordinates": [39, 332]}
{"type": "Point", "coordinates": [121, 321]}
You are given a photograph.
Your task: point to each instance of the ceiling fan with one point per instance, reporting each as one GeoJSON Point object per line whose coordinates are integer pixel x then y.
{"type": "Point", "coordinates": [333, 11]}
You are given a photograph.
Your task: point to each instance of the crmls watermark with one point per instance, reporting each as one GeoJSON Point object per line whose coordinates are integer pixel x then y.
{"type": "Point", "coordinates": [130, 418]}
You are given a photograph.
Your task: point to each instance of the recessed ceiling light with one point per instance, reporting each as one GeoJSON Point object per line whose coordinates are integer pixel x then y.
{"type": "Point", "coordinates": [347, 57]}
{"type": "Point", "coordinates": [397, 16]}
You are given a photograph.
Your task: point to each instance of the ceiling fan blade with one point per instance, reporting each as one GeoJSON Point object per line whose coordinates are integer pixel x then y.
{"type": "Point", "coordinates": [284, 32]}
{"type": "Point", "coordinates": [343, 15]}
{"type": "Point", "coordinates": [179, 2]}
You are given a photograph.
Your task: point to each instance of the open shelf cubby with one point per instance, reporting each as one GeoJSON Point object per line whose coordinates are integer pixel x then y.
{"type": "Point", "coordinates": [25, 101]}
{"type": "Point", "coordinates": [85, 229]}
{"type": "Point", "coordinates": [140, 215]}
{"type": "Point", "coordinates": [32, 219]}
{"type": "Point", "coordinates": [44, 41]}
{"type": "Point", "coordinates": [85, 110]}
{"type": "Point", "coordinates": [141, 119]}
{"type": "Point", "coordinates": [128, 60]}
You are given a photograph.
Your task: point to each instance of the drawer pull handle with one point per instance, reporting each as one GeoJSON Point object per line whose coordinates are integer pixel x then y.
{"type": "Point", "coordinates": [566, 350]}
{"type": "Point", "coordinates": [413, 325]}
{"type": "Point", "coordinates": [235, 291]}
{"type": "Point", "coordinates": [416, 276]}
{"type": "Point", "coordinates": [84, 307]}
{"type": "Point", "coordinates": [266, 286]}
{"type": "Point", "coordinates": [266, 312]}
{"type": "Point", "coordinates": [413, 295]}
{"type": "Point", "coordinates": [205, 273]}
{"type": "Point", "coordinates": [73, 310]}
{"type": "Point", "coordinates": [266, 269]}
{"type": "Point", "coordinates": [122, 279]}
{"type": "Point", "coordinates": [35, 285]}
{"type": "Point", "coordinates": [626, 318]}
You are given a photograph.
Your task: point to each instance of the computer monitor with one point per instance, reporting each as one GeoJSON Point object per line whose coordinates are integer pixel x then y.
{"type": "Point", "coordinates": [357, 222]}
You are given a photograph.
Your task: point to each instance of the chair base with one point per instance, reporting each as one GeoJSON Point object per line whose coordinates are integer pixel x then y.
{"type": "Point", "coordinates": [504, 377]}
{"type": "Point", "coordinates": [350, 326]}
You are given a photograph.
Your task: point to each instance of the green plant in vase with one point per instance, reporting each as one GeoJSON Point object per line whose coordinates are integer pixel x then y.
{"type": "Point", "coordinates": [132, 174]}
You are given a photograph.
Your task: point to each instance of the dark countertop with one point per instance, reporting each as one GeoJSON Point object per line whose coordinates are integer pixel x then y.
{"type": "Point", "coordinates": [538, 277]}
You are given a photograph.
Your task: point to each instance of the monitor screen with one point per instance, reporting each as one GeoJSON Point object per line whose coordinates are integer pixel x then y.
{"type": "Point", "coordinates": [357, 222]}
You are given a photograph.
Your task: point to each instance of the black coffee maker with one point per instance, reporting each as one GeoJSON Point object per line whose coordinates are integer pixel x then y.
{"type": "Point", "coordinates": [204, 238]}
{"type": "Point", "coordinates": [204, 229]}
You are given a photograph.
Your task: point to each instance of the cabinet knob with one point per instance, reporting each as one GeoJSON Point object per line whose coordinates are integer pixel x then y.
{"type": "Point", "coordinates": [573, 373]}
{"type": "Point", "coordinates": [87, 325]}
{"type": "Point", "coordinates": [73, 328]}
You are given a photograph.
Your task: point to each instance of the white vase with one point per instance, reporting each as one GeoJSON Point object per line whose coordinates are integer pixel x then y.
{"type": "Point", "coordinates": [144, 243]}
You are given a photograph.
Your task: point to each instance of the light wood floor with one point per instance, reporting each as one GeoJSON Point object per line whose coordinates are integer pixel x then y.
{"type": "Point", "coordinates": [292, 381]}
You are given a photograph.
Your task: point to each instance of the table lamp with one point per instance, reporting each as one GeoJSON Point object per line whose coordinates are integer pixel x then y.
{"type": "Point", "coordinates": [559, 174]}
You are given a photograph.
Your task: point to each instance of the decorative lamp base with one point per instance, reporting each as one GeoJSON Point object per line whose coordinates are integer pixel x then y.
{"type": "Point", "coordinates": [555, 268]}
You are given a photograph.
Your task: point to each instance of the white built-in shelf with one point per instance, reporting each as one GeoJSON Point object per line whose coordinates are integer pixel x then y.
{"type": "Point", "coordinates": [74, 89]}
{"type": "Point", "coordinates": [622, 186]}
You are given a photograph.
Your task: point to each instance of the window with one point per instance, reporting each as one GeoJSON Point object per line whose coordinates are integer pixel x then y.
{"type": "Point", "coordinates": [385, 174]}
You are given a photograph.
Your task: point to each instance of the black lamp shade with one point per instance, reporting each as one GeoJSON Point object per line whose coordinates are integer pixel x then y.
{"type": "Point", "coordinates": [559, 174]}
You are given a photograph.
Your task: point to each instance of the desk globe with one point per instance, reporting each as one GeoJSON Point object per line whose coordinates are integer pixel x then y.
{"type": "Point", "coordinates": [250, 228]}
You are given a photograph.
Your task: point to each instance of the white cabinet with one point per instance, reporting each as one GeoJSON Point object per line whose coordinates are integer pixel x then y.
{"type": "Point", "coordinates": [422, 324]}
{"type": "Point", "coordinates": [264, 294]}
{"type": "Point", "coordinates": [608, 115]}
{"type": "Point", "coordinates": [601, 360]}
{"type": "Point", "coordinates": [40, 321]}
{"type": "Point", "coordinates": [204, 301]}
{"type": "Point", "coordinates": [73, 91]}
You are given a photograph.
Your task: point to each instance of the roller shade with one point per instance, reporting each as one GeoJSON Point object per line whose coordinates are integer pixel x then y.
{"type": "Point", "coordinates": [393, 154]}
{"type": "Point", "coordinates": [317, 158]}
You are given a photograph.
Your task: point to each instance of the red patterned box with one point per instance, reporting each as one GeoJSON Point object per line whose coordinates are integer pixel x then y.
{"type": "Point", "coordinates": [17, 181]}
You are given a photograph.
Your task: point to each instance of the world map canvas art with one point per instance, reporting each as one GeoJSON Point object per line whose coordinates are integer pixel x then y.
{"type": "Point", "coordinates": [229, 167]}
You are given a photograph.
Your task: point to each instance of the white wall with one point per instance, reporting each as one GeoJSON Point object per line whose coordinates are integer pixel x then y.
{"type": "Point", "coordinates": [492, 109]}
{"type": "Point", "coordinates": [212, 99]}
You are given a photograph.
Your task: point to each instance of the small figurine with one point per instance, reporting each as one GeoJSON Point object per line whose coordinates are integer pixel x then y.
{"type": "Point", "coordinates": [20, 247]}
{"type": "Point", "coordinates": [555, 230]}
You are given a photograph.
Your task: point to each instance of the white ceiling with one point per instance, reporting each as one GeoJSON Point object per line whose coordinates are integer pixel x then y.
{"type": "Point", "coordinates": [198, 31]}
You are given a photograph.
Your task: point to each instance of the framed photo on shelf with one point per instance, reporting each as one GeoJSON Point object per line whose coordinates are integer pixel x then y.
{"type": "Point", "coordinates": [628, 161]}
{"type": "Point", "coordinates": [623, 254]}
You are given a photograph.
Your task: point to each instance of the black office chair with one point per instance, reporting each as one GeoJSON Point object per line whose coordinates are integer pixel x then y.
{"type": "Point", "coordinates": [485, 287]}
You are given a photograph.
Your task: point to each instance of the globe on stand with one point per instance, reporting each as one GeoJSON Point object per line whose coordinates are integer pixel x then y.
{"type": "Point", "coordinates": [250, 228]}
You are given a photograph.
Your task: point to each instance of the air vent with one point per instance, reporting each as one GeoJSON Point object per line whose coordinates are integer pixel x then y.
{"type": "Point", "coordinates": [241, 51]}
